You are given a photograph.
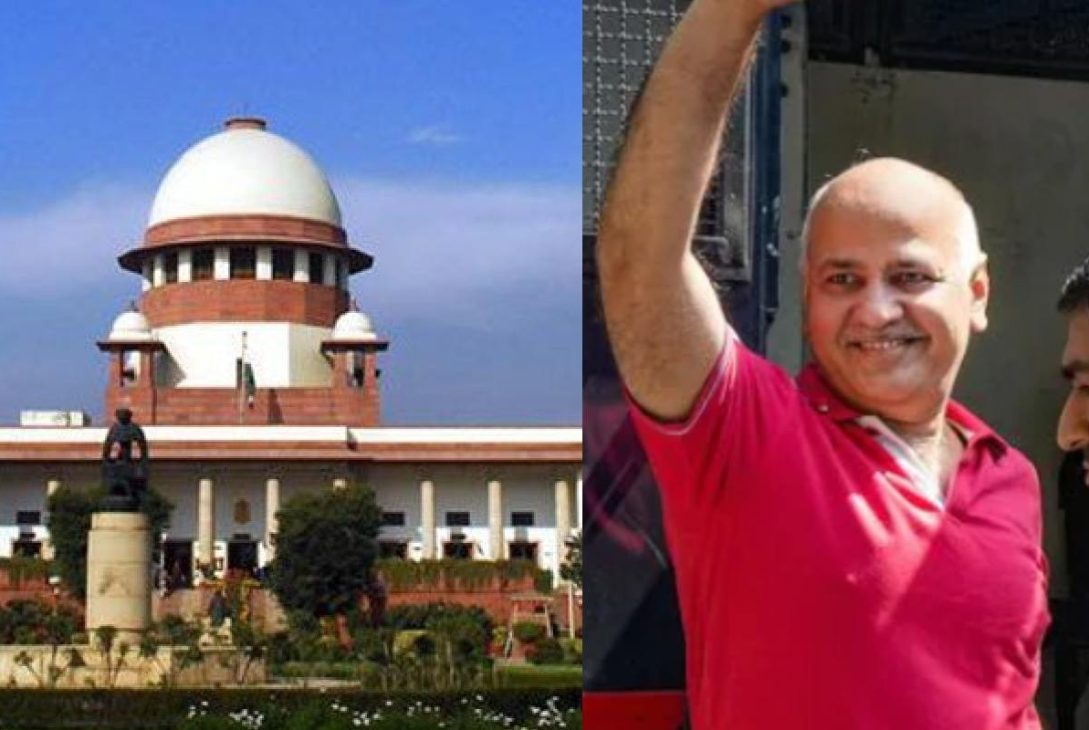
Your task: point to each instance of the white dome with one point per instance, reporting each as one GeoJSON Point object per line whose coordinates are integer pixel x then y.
{"type": "Point", "coordinates": [245, 170]}
{"type": "Point", "coordinates": [353, 325]}
{"type": "Point", "coordinates": [131, 326]}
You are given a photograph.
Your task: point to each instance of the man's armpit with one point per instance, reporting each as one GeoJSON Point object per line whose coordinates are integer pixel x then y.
{"type": "Point", "coordinates": [719, 377]}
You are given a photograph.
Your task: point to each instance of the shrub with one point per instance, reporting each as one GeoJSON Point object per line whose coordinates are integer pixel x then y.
{"type": "Point", "coordinates": [21, 569]}
{"type": "Point", "coordinates": [527, 632]}
{"type": "Point", "coordinates": [462, 638]}
{"type": "Point", "coordinates": [545, 651]}
{"type": "Point", "coordinates": [420, 616]}
{"type": "Point", "coordinates": [167, 708]}
{"type": "Point", "coordinates": [24, 621]}
{"type": "Point", "coordinates": [465, 574]}
{"type": "Point", "coordinates": [572, 650]}
{"type": "Point", "coordinates": [414, 641]}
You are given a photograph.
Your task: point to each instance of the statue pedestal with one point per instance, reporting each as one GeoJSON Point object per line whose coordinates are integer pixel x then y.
{"type": "Point", "coordinates": [119, 574]}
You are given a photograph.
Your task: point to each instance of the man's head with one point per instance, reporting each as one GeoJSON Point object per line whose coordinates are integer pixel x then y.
{"type": "Point", "coordinates": [895, 282]}
{"type": "Point", "coordinates": [1074, 303]}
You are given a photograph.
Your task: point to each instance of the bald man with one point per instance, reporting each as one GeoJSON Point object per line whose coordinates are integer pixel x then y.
{"type": "Point", "coordinates": [853, 549]}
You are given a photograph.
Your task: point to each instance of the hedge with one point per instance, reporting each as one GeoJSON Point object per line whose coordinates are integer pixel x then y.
{"type": "Point", "coordinates": [464, 574]}
{"type": "Point", "coordinates": [21, 569]}
{"type": "Point", "coordinates": [166, 708]}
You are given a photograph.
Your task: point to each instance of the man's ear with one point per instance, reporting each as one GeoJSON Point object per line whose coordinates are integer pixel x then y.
{"type": "Point", "coordinates": [980, 286]}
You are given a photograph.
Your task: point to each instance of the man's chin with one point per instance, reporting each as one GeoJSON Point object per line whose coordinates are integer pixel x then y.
{"type": "Point", "coordinates": [884, 396]}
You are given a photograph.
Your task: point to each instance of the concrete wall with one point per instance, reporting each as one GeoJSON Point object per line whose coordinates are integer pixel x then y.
{"type": "Point", "coordinates": [1017, 149]}
{"type": "Point", "coordinates": [203, 355]}
{"type": "Point", "coordinates": [220, 666]}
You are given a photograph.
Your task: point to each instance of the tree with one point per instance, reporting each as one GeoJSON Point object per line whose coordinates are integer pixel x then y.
{"type": "Point", "coordinates": [69, 523]}
{"type": "Point", "coordinates": [325, 550]}
{"type": "Point", "coordinates": [571, 570]}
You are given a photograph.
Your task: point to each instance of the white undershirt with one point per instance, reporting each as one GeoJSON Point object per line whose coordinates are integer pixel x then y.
{"type": "Point", "coordinates": [925, 481]}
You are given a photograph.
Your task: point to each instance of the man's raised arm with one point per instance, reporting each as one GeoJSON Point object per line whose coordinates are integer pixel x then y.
{"type": "Point", "coordinates": [664, 321]}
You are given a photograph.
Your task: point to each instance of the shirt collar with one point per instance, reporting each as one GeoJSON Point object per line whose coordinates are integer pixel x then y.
{"type": "Point", "coordinates": [824, 400]}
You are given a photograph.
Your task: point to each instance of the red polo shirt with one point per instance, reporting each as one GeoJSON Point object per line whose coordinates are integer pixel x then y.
{"type": "Point", "coordinates": [820, 589]}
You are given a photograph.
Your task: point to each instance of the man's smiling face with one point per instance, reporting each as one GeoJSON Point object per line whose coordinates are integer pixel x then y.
{"type": "Point", "coordinates": [891, 298]}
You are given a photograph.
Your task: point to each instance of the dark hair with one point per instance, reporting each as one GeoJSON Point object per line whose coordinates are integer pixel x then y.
{"type": "Point", "coordinates": [1075, 293]}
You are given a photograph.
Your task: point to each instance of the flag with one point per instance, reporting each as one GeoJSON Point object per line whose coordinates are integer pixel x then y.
{"type": "Point", "coordinates": [248, 383]}
{"type": "Point", "coordinates": [245, 383]}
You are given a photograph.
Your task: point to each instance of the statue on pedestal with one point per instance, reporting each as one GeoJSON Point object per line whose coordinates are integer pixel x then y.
{"type": "Point", "coordinates": [125, 461]}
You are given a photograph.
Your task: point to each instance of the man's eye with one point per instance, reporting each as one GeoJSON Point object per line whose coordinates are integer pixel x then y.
{"type": "Point", "coordinates": [911, 278]}
{"type": "Point", "coordinates": [842, 278]}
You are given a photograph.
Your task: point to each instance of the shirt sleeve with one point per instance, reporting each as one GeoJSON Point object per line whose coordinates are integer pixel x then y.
{"type": "Point", "coordinates": [743, 402]}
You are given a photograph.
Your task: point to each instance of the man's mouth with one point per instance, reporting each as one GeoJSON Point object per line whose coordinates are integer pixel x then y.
{"type": "Point", "coordinates": [884, 344]}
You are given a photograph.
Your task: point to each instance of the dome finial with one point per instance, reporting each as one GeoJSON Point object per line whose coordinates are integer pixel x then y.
{"type": "Point", "coordinates": [245, 122]}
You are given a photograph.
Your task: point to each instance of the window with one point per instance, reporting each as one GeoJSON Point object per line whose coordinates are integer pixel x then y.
{"type": "Point", "coordinates": [393, 519]}
{"type": "Point", "coordinates": [457, 550]}
{"type": "Point", "coordinates": [243, 263]}
{"type": "Point", "coordinates": [392, 549]}
{"type": "Point", "coordinates": [457, 519]}
{"type": "Point", "coordinates": [28, 517]}
{"type": "Point", "coordinates": [521, 519]}
{"type": "Point", "coordinates": [170, 267]}
{"type": "Point", "coordinates": [317, 268]}
{"type": "Point", "coordinates": [283, 264]}
{"type": "Point", "coordinates": [204, 261]}
{"type": "Point", "coordinates": [26, 548]}
{"type": "Point", "coordinates": [338, 271]}
{"type": "Point", "coordinates": [521, 550]}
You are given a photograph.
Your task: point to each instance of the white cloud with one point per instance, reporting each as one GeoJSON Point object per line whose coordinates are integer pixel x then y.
{"type": "Point", "coordinates": [452, 252]}
{"type": "Point", "coordinates": [436, 135]}
{"type": "Point", "coordinates": [444, 251]}
{"type": "Point", "coordinates": [70, 242]}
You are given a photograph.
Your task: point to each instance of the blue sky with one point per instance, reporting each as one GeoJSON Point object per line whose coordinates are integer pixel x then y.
{"type": "Point", "coordinates": [449, 131]}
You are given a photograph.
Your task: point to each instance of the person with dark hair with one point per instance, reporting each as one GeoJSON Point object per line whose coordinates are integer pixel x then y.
{"type": "Point", "coordinates": [853, 549]}
{"type": "Point", "coordinates": [1073, 438]}
{"type": "Point", "coordinates": [1073, 432]}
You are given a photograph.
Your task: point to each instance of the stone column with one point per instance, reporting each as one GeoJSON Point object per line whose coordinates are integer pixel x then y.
{"type": "Point", "coordinates": [578, 500]}
{"type": "Point", "coordinates": [563, 520]}
{"type": "Point", "coordinates": [495, 520]}
{"type": "Point", "coordinates": [185, 265]}
{"type": "Point", "coordinates": [47, 546]}
{"type": "Point", "coordinates": [221, 267]}
{"type": "Point", "coordinates": [427, 518]}
{"type": "Point", "coordinates": [119, 574]}
{"type": "Point", "coordinates": [263, 263]}
{"type": "Point", "coordinates": [302, 264]}
{"type": "Point", "coordinates": [206, 523]}
{"type": "Point", "coordinates": [272, 506]}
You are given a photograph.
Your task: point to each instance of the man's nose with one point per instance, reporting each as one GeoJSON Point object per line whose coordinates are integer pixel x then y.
{"type": "Point", "coordinates": [1074, 424]}
{"type": "Point", "coordinates": [879, 305]}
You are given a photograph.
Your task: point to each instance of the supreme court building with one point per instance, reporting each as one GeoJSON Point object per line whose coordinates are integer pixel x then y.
{"type": "Point", "coordinates": [256, 378]}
